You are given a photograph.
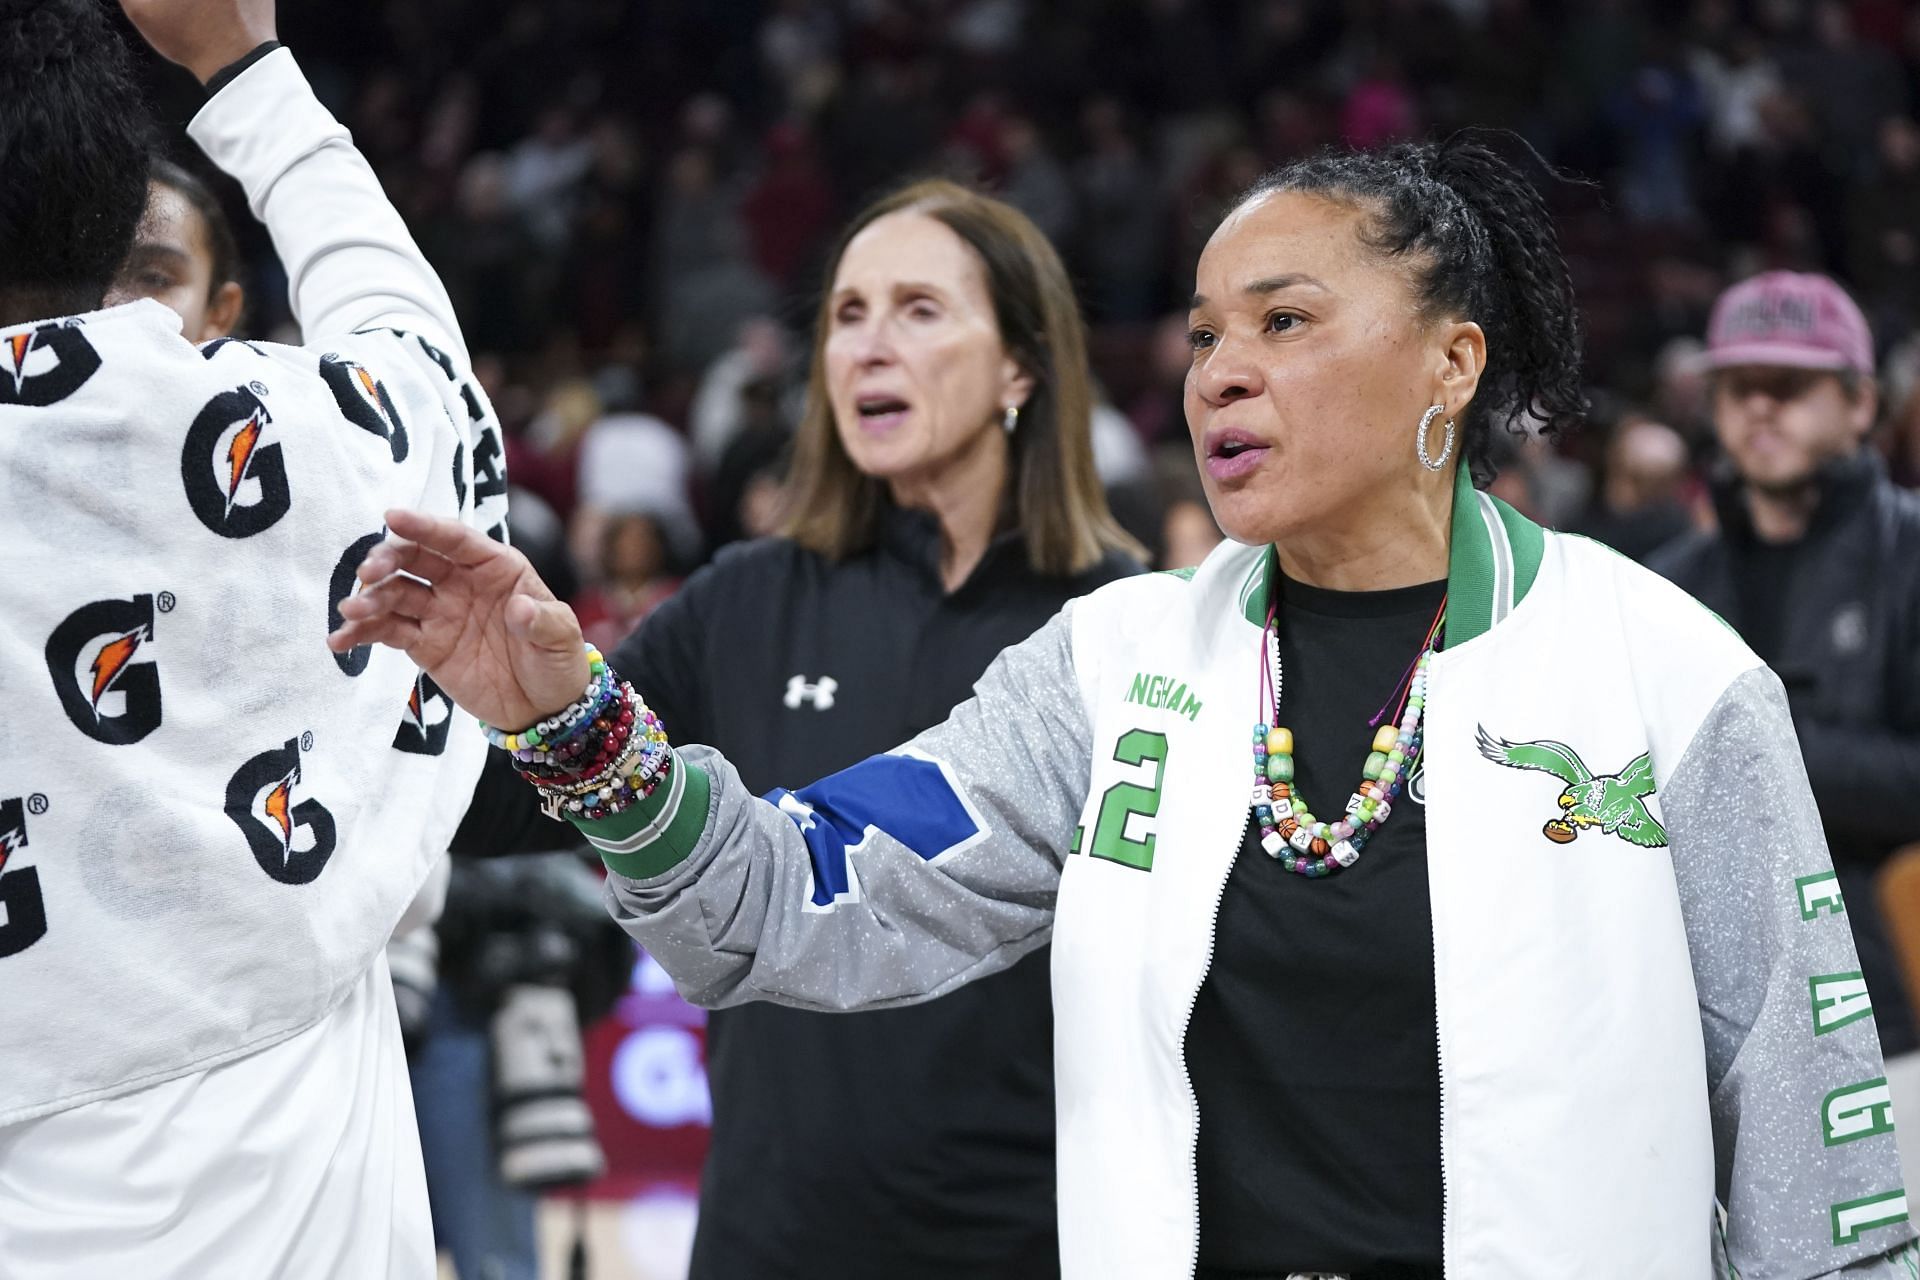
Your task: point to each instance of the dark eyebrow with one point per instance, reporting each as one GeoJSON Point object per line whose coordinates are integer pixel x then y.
{"type": "Point", "coordinates": [149, 250]}
{"type": "Point", "coordinates": [1270, 284]}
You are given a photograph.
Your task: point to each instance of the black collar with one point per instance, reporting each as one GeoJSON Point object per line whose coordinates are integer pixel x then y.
{"type": "Point", "coordinates": [913, 537]}
{"type": "Point", "coordinates": [1845, 485]}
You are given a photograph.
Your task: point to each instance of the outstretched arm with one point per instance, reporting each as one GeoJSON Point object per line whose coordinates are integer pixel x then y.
{"type": "Point", "coordinates": [893, 881]}
{"type": "Point", "coordinates": [349, 256]}
{"type": "Point", "coordinates": [890, 882]}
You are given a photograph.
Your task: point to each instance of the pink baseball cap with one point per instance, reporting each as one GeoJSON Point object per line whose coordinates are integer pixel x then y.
{"type": "Point", "coordinates": [1790, 318]}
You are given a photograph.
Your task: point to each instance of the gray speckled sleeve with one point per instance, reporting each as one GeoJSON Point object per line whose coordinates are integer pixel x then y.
{"type": "Point", "coordinates": [1803, 1132]}
{"type": "Point", "coordinates": [893, 881]}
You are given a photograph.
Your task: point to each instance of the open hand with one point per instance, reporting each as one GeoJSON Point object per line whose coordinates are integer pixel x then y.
{"type": "Point", "coordinates": [472, 614]}
{"type": "Point", "coordinates": [204, 36]}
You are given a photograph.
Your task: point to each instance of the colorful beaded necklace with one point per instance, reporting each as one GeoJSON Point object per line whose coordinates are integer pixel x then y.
{"type": "Point", "coordinates": [1288, 830]}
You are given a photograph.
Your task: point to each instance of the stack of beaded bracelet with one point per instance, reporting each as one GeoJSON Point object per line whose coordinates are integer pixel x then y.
{"type": "Point", "coordinates": [603, 753]}
{"type": "Point", "coordinates": [556, 736]}
{"type": "Point", "coordinates": [640, 763]}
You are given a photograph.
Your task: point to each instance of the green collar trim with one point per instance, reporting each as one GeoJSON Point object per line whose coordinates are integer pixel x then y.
{"type": "Point", "coordinates": [1491, 565]}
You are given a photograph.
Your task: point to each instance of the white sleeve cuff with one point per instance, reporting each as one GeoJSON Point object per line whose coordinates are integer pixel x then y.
{"type": "Point", "coordinates": [229, 128]}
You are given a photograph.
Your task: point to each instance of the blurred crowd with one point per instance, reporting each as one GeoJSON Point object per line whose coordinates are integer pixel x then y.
{"type": "Point", "coordinates": [630, 203]}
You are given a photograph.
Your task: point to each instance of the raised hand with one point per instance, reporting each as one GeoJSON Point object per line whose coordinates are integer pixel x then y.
{"type": "Point", "coordinates": [473, 615]}
{"type": "Point", "coordinates": [204, 36]}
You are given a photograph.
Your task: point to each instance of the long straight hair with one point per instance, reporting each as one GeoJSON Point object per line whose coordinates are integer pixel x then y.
{"type": "Point", "coordinates": [1056, 498]}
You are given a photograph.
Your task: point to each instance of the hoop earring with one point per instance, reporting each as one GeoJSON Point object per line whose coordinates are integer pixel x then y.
{"type": "Point", "coordinates": [1420, 440]}
{"type": "Point", "coordinates": [1011, 418]}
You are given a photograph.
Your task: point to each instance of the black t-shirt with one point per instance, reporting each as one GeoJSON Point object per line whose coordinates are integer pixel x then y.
{"type": "Point", "coordinates": [1313, 1047]}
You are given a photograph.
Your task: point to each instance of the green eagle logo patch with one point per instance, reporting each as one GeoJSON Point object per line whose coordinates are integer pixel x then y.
{"type": "Point", "coordinates": [1611, 802]}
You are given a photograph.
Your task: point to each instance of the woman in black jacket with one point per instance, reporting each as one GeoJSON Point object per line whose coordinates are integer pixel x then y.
{"type": "Point", "coordinates": [943, 506]}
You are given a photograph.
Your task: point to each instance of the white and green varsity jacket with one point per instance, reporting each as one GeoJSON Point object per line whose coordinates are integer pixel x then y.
{"type": "Point", "coordinates": [1655, 1021]}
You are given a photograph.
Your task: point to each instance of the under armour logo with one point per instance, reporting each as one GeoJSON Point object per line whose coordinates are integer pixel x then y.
{"type": "Point", "coordinates": [820, 694]}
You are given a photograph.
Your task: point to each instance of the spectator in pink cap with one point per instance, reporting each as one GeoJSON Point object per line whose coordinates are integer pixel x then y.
{"type": "Point", "coordinates": [1817, 565]}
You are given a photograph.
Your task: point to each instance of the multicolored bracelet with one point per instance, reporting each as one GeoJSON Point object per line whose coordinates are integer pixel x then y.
{"type": "Point", "coordinates": [543, 738]}
{"type": "Point", "coordinates": [642, 761]}
{"type": "Point", "coordinates": [637, 756]}
{"type": "Point", "coordinates": [603, 753]}
{"type": "Point", "coordinates": [627, 784]}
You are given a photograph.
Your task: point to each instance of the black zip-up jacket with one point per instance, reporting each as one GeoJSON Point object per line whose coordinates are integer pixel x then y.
{"type": "Point", "coordinates": [914, 1142]}
{"type": "Point", "coordinates": [1844, 635]}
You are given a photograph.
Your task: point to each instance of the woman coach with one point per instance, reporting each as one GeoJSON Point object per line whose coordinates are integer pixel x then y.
{"type": "Point", "coordinates": [1426, 889]}
{"type": "Point", "coordinates": [944, 506]}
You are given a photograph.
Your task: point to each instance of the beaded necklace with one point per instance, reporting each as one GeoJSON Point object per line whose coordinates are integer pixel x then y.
{"type": "Point", "coordinates": [1288, 830]}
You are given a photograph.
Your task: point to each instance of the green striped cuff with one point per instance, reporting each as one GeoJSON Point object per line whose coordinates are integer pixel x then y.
{"type": "Point", "coordinates": [657, 834]}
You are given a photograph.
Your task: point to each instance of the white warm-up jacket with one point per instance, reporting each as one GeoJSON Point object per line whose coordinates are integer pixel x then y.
{"type": "Point", "coordinates": [1644, 1026]}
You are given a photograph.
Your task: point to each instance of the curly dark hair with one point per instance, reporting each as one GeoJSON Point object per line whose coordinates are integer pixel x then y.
{"type": "Point", "coordinates": [74, 130]}
{"type": "Point", "coordinates": [1482, 246]}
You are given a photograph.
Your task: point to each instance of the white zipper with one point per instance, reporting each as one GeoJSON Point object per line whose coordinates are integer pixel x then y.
{"type": "Point", "coordinates": [1213, 936]}
{"type": "Point", "coordinates": [1193, 1097]}
{"type": "Point", "coordinates": [1439, 1041]}
{"type": "Point", "coordinates": [1440, 1057]}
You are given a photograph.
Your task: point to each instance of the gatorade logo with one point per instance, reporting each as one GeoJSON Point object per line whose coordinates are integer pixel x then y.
{"type": "Point", "coordinates": [45, 365]}
{"type": "Point", "coordinates": [291, 838]}
{"type": "Point", "coordinates": [364, 401]}
{"type": "Point", "coordinates": [354, 660]}
{"type": "Point", "coordinates": [23, 911]}
{"type": "Point", "coordinates": [236, 480]}
{"type": "Point", "coordinates": [423, 729]}
{"type": "Point", "coordinates": [13, 829]}
{"type": "Point", "coordinates": [106, 682]}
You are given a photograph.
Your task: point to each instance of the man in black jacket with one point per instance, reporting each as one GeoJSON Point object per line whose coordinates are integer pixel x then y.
{"type": "Point", "coordinates": [1817, 566]}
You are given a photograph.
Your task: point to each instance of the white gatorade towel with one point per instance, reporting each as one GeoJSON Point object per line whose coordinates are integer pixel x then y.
{"type": "Point", "coordinates": [209, 823]}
